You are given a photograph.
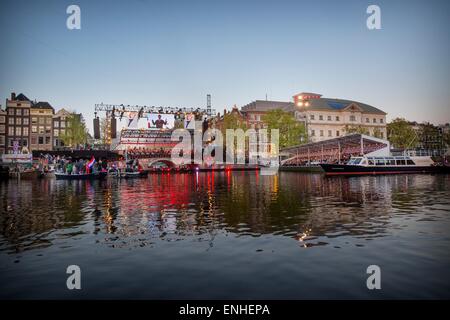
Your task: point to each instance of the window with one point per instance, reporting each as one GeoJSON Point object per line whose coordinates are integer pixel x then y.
{"type": "Point", "coordinates": [381, 120]}
{"type": "Point", "coordinates": [34, 120]}
{"type": "Point", "coordinates": [2, 140]}
{"type": "Point", "coordinates": [371, 161]}
{"type": "Point", "coordinates": [26, 121]}
{"type": "Point", "coordinates": [11, 121]}
{"type": "Point", "coordinates": [329, 133]}
{"type": "Point", "coordinates": [47, 140]}
{"type": "Point", "coordinates": [63, 124]}
{"type": "Point", "coordinates": [49, 121]}
{"type": "Point", "coordinates": [56, 124]}
{"type": "Point", "coordinates": [320, 117]}
{"type": "Point", "coordinates": [24, 142]}
{"type": "Point", "coordinates": [18, 131]}
{"type": "Point", "coordinates": [26, 112]}
{"type": "Point", "coordinates": [48, 129]}
{"type": "Point", "coordinates": [19, 121]}
{"type": "Point", "coordinates": [313, 133]}
{"type": "Point", "coordinates": [11, 111]}
{"type": "Point", "coordinates": [410, 162]}
{"type": "Point", "coordinates": [380, 162]}
{"type": "Point", "coordinates": [401, 162]}
{"type": "Point", "coordinates": [367, 120]}
{"type": "Point", "coordinates": [337, 118]}
{"type": "Point", "coordinates": [33, 129]}
{"type": "Point", "coordinates": [329, 118]}
{"type": "Point", "coordinates": [2, 119]}
{"type": "Point", "coordinates": [62, 131]}
{"type": "Point", "coordinates": [41, 140]}
{"type": "Point", "coordinates": [41, 130]}
{"type": "Point", "coordinates": [33, 140]}
{"type": "Point", "coordinates": [321, 133]}
{"type": "Point", "coordinates": [41, 120]}
{"type": "Point", "coordinates": [337, 133]}
{"type": "Point", "coordinates": [374, 120]}
{"type": "Point", "coordinates": [25, 131]}
{"type": "Point", "coordinates": [2, 128]}
{"type": "Point", "coordinates": [10, 131]}
{"type": "Point", "coordinates": [55, 132]}
{"type": "Point", "coordinates": [19, 112]}
{"type": "Point", "coordinates": [11, 142]}
{"type": "Point", "coordinates": [352, 118]}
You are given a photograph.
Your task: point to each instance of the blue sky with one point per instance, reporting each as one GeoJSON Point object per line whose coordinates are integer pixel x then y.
{"type": "Point", "coordinates": [173, 53]}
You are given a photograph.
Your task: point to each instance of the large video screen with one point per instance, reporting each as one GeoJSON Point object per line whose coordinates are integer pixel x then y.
{"type": "Point", "coordinates": [150, 121]}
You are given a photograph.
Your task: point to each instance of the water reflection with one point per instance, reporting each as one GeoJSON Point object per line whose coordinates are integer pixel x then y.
{"type": "Point", "coordinates": [311, 209]}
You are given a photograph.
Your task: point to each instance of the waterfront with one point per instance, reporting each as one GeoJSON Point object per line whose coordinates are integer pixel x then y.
{"type": "Point", "coordinates": [227, 235]}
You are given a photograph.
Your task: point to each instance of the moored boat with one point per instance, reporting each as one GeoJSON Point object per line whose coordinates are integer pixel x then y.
{"type": "Point", "coordinates": [81, 176]}
{"type": "Point", "coordinates": [385, 165]}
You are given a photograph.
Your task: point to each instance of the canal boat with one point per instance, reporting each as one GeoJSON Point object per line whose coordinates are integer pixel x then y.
{"type": "Point", "coordinates": [81, 176]}
{"type": "Point", "coordinates": [134, 174]}
{"type": "Point", "coordinates": [385, 165]}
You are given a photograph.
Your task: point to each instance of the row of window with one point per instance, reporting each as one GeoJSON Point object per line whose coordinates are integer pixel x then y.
{"type": "Point", "coordinates": [18, 131]}
{"type": "Point", "coordinates": [337, 118]}
{"type": "Point", "coordinates": [40, 140]}
{"type": "Point", "coordinates": [34, 140]}
{"type": "Point", "coordinates": [42, 120]}
{"type": "Point", "coordinates": [18, 112]}
{"type": "Point", "coordinates": [330, 133]}
{"type": "Point", "coordinates": [22, 142]}
{"type": "Point", "coordinates": [19, 121]}
{"type": "Point", "coordinates": [322, 134]}
{"type": "Point", "coordinates": [40, 129]}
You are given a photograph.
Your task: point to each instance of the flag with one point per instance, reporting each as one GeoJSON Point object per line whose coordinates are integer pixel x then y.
{"type": "Point", "coordinates": [91, 162]}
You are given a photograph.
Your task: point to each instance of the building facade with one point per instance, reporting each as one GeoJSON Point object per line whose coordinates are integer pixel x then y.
{"type": "Point", "coordinates": [41, 137]}
{"type": "Point", "coordinates": [325, 118]}
{"type": "Point", "coordinates": [17, 123]}
{"type": "Point", "coordinates": [60, 124]}
{"type": "Point", "coordinates": [2, 131]}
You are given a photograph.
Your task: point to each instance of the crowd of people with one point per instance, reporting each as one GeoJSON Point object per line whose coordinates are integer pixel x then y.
{"type": "Point", "coordinates": [136, 153]}
{"type": "Point", "coordinates": [69, 165]}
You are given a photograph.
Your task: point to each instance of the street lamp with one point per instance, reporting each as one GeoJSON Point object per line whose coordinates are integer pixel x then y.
{"type": "Point", "coordinates": [303, 105]}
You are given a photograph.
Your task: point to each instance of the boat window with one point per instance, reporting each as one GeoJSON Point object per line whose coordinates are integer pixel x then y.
{"type": "Point", "coordinates": [380, 162]}
{"type": "Point", "coordinates": [410, 162]}
{"type": "Point", "coordinates": [371, 162]}
{"type": "Point", "coordinates": [390, 162]}
{"type": "Point", "coordinates": [401, 162]}
{"type": "Point", "coordinates": [357, 161]}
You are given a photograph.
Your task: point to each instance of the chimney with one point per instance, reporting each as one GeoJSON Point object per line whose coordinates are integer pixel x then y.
{"type": "Point", "coordinates": [13, 96]}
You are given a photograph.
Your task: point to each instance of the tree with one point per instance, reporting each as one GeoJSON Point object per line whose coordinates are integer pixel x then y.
{"type": "Point", "coordinates": [76, 132]}
{"type": "Point", "coordinates": [401, 134]}
{"type": "Point", "coordinates": [356, 129]}
{"type": "Point", "coordinates": [291, 132]}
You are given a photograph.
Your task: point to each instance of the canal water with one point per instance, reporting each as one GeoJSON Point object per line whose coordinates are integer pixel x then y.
{"type": "Point", "coordinates": [227, 235]}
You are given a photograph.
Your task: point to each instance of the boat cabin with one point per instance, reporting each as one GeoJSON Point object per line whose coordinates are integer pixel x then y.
{"type": "Point", "coordinates": [390, 161]}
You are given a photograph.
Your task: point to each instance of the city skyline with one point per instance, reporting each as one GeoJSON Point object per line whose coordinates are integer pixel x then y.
{"type": "Point", "coordinates": [174, 53]}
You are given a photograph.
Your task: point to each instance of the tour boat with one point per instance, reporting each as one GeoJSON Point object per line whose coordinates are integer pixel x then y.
{"type": "Point", "coordinates": [81, 176]}
{"type": "Point", "coordinates": [385, 165]}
